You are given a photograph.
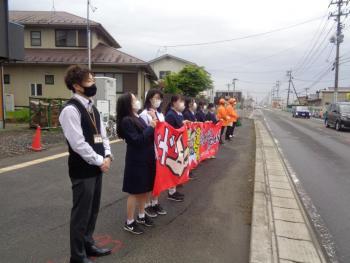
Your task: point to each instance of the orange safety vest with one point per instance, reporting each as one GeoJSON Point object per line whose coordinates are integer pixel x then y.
{"type": "Point", "coordinates": [222, 115]}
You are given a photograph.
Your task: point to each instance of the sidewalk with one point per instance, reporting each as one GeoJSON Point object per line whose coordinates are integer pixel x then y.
{"type": "Point", "coordinates": [280, 228]}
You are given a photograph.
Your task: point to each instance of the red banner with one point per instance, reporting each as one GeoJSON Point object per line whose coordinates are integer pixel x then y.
{"type": "Point", "coordinates": [194, 130]}
{"type": "Point", "coordinates": [180, 150]}
{"type": "Point", "coordinates": [171, 146]}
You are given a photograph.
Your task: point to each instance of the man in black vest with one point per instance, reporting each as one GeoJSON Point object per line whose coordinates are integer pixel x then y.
{"type": "Point", "coordinates": [89, 157]}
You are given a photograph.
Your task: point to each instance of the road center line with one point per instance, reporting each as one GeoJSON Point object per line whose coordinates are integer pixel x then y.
{"type": "Point", "coordinates": [41, 160]}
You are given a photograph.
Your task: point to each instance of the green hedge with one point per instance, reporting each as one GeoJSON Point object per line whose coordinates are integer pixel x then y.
{"type": "Point", "coordinates": [20, 115]}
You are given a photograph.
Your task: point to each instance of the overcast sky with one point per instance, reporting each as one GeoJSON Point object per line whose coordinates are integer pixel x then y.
{"type": "Point", "coordinates": [143, 28]}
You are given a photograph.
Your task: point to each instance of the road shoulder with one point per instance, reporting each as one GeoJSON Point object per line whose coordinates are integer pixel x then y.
{"type": "Point", "coordinates": [281, 231]}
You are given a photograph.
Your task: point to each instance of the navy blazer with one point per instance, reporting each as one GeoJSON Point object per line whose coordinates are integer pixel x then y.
{"type": "Point", "coordinates": [189, 116]}
{"type": "Point", "coordinates": [211, 117]}
{"type": "Point", "coordinates": [200, 116]}
{"type": "Point", "coordinates": [174, 119]}
{"type": "Point", "coordinates": [139, 140]}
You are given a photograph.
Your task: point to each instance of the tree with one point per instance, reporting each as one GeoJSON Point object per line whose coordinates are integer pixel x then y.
{"type": "Point", "coordinates": [190, 81]}
{"type": "Point", "coordinates": [171, 84]}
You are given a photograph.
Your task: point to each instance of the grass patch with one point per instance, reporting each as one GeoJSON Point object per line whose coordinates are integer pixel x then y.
{"type": "Point", "coordinates": [18, 116]}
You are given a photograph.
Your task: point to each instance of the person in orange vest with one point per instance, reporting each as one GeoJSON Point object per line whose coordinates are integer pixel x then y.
{"type": "Point", "coordinates": [233, 117]}
{"type": "Point", "coordinates": [222, 116]}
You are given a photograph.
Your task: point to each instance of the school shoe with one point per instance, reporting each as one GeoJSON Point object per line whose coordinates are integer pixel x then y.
{"type": "Point", "coordinates": [94, 251]}
{"type": "Point", "coordinates": [150, 212]}
{"type": "Point", "coordinates": [133, 228]}
{"type": "Point", "coordinates": [177, 197]}
{"type": "Point", "coordinates": [159, 210]}
{"type": "Point", "coordinates": [146, 221]}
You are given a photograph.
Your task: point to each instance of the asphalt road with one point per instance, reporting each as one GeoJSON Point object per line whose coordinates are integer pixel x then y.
{"type": "Point", "coordinates": [321, 159]}
{"type": "Point", "coordinates": [212, 225]}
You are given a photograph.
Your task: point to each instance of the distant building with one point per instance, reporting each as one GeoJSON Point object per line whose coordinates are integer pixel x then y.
{"type": "Point", "coordinates": [167, 64]}
{"type": "Point", "coordinates": [53, 41]}
{"type": "Point", "coordinates": [326, 96]}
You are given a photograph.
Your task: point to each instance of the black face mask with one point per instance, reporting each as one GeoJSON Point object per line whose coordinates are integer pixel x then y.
{"type": "Point", "coordinates": [90, 91]}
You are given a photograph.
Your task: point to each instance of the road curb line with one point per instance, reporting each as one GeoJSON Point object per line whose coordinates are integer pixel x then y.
{"type": "Point", "coordinates": [40, 160]}
{"type": "Point", "coordinates": [281, 231]}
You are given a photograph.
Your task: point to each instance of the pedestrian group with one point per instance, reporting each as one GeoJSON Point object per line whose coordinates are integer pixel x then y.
{"type": "Point", "coordinates": [90, 154]}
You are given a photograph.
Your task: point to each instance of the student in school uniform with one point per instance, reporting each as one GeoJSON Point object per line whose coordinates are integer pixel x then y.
{"type": "Point", "coordinates": [89, 157]}
{"type": "Point", "coordinates": [139, 171]}
{"type": "Point", "coordinates": [153, 111]}
{"type": "Point", "coordinates": [211, 114]}
{"type": "Point", "coordinates": [200, 114]}
{"type": "Point", "coordinates": [175, 118]}
{"type": "Point", "coordinates": [190, 109]}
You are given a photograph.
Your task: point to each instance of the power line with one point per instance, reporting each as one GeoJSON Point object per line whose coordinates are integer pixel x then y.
{"type": "Point", "coordinates": [314, 40]}
{"type": "Point", "coordinates": [244, 37]}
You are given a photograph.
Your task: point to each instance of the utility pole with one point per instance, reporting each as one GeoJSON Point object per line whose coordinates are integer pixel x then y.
{"type": "Point", "coordinates": [338, 39]}
{"type": "Point", "coordinates": [234, 84]}
{"type": "Point", "coordinates": [88, 31]}
{"type": "Point", "coordinates": [306, 89]}
{"type": "Point", "coordinates": [289, 74]}
{"type": "Point", "coordinates": [228, 89]}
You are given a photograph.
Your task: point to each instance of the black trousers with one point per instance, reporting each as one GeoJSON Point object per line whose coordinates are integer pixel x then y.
{"type": "Point", "coordinates": [229, 131]}
{"type": "Point", "coordinates": [86, 204]}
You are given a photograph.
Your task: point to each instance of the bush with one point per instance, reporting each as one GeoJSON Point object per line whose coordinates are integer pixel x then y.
{"type": "Point", "coordinates": [18, 116]}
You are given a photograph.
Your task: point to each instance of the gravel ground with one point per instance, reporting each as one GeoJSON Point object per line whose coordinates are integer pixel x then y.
{"type": "Point", "coordinates": [18, 142]}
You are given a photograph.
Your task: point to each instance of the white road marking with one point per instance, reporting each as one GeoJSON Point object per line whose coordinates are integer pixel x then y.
{"type": "Point", "coordinates": [41, 160]}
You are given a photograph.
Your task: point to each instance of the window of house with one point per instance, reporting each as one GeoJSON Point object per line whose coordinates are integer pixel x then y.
{"type": "Point", "coordinates": [117, 76]}
{"type": "Point", "coordinates": [35, 38]}
{"type": "Point", "coordinates": [36, 89]}
{"type": "Point", "coordinates": [82, 38]}
{"type": "Point", "coordinates": [49, 79]}
{"type": "Point", "coordinates": [66, 38]}
{"type": "Point", "coordinates": [6, 78]}
{"type": "Point", "coordinates": [163, 74]}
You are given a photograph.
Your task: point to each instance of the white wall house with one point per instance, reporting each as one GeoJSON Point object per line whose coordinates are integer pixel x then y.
{"type": "Point", "coordinates": [167, 64]}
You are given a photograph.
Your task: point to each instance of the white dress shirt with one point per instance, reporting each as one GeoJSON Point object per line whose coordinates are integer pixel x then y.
{"type": "Point", "coordinates": [148, 118]}
{"type": "Point", "coordinates": [70, 120]}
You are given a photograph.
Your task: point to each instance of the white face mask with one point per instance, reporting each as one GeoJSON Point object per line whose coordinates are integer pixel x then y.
{"type": "Point", "coordinates": [136, 106]}
{"type": "Point", "coordinates": [156, 103]}
{"type": "Point", "coordinates": [205, 107]}
{"type": "Point", "coordinates": [181, 106]}
{"type": "Point", "coordinates": [194, 106]}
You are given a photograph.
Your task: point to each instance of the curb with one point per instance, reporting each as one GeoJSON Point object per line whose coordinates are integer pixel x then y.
{"type": "Point", "coordinates": [281, 231]}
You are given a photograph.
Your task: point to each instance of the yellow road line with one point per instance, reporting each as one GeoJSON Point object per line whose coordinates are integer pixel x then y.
{"type": "Point", "coordinates": [37, 161]}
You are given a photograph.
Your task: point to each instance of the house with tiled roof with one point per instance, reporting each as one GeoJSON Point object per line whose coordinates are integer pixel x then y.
{"type": "Point", "coordinates": [54, 40]}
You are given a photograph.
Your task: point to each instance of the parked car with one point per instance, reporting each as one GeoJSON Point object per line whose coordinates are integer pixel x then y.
{"type": "Point", "coordinates": [338, 115]}
{"type": "Point", "coordinates": [301, 112]}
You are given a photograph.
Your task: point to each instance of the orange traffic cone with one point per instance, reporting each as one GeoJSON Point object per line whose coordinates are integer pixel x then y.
{"type": "Point", "coordinates": [36, 144]}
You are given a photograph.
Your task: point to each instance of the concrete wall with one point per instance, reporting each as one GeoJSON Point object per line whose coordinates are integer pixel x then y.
{"type": "Point", "coordinates": [168, 64]}
{"type": "Point", "coordinates": [22, 76]}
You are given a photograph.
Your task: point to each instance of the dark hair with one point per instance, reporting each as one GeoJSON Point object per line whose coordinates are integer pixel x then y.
{"type": "Point", "coordinates": [124, 109]}
{"type": "Point", "coordinates": [211, 105]}
{"type": "Point", "coordinates": [188, 101]}
{"type": "Point", "coordinates": [150, 94]}
{"type": "Point", "coordinates": [201, 105]}
{"type": "Point", "coordinates": [173, 99]}
{"type": "Point", "coordinates": [76, 75]}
